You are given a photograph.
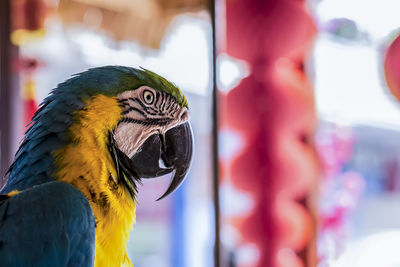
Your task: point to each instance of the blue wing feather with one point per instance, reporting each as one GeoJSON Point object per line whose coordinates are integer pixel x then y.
{"type": "Point", "coordinates": [51, 224]}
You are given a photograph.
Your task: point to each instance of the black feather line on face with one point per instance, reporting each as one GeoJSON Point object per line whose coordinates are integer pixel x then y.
{"type": "Point", "coordinates": [125, 171]}
{"type": "Point", "coordinates": [160, 122]}
{"type": "Point", "coordinates": [133, 109]}
{"type": "Point", "coordinates": [157, 97]}
{"type": "Point", "coordinates": [147, 109]}
{"type": "Point", "coordinates": [164, 99]}
{"type": "Point", "coordinates": [169, 100]}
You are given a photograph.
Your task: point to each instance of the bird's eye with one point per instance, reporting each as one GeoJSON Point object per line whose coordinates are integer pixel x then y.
{"type": "Point", "coordinates": [148, 97]}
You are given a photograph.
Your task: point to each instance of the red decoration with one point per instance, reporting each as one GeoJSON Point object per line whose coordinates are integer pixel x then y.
{"type": "Point", "coordinates": [341, 190]}
{"type": "Point", "coordinates": [273, 109]}
{"type": "Point", "coordinates": [392, 67]}
{"type": "Point", "coordinates": [30, 107]}
{"type": "Point", "coordinates": [27, 68]}
{"type": "Point", "coordinates": [29, 14]}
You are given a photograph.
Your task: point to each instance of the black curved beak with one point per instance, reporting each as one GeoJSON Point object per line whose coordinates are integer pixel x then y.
{"type": "Point", "coordinates": [173, 150]}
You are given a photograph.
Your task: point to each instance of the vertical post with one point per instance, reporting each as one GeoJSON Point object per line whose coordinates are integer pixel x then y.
{"type": "Point", "coordinates": [215, 137]}
{"type": "Point", "coordinates": [5, 88]}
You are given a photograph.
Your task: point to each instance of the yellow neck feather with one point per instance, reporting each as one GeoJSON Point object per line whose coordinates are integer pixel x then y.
{"type": "Point", "coordinates": [87, 164]}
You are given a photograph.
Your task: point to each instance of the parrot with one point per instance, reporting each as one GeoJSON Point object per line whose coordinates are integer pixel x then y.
{"type": "Point", "coordinates": [71, 194]}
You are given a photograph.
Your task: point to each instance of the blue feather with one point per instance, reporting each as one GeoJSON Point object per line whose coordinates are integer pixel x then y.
{"type": "Point", "coordinates": [48, 225]}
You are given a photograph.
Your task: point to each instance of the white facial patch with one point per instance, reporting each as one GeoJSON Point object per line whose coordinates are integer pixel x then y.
{"type": "Point", "coordinates": [146, 112]}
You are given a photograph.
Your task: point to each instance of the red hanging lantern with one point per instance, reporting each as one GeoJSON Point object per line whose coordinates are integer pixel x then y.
{"type": "Point", "coordinates": [273, 110]}
{"type": "Point", "coordinates": [392, 67]}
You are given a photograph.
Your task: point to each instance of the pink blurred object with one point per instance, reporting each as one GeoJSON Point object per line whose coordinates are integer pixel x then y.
{"type": "Point", "coordinates": [335, 147]}
{"type": "Point", "coordinates": [392, 67]}
{"type": "Point", "coordinates": [273, 110]}
{"type": "Point", "coordinates": [345, 197]}
{"type": "Point", "coordinates": [340, 191]}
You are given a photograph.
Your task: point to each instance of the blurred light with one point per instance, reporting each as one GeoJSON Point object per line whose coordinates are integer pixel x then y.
{"type": "Point", "coordinates": [230, 72]}
{"type": "Point", "coordinates": [198, 225]}
{"type": "Point", "coordinates": [234, 202]}
{"type": "Point", "coordinates": [230, 236]}
{"type": "Point", "coordinates": [381, 249]}
{"type": "Point", "coordinates": [248, 255]}
{"type": "Point", "coordinates": [230, 142]}
{"type": "Point", "coordinates": [348, 86]}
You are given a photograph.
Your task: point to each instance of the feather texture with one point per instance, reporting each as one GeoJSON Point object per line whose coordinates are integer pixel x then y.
{"type": "Point", "coordinates": [26, 239]}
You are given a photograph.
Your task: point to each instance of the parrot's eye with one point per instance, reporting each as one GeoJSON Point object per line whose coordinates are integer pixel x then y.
{"type": "Point", "coordinates": [148, 97]}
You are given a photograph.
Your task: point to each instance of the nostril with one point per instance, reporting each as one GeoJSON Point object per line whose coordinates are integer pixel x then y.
{"type": "Point", "coordinates": [184, 115]}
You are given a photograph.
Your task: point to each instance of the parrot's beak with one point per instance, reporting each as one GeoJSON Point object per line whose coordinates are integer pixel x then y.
{"type": "Point", "coordinates": [173, 150]}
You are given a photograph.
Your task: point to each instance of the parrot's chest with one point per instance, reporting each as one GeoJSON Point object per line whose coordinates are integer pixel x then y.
{"type": "Point", "coordinates": [112, 235]}
{"type": "Point", "coordinates": [114, 211]}
{"type": "Point", "coordinates": [86, 164]}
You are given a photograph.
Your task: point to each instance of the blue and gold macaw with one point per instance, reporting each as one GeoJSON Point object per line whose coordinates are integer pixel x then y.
{"type": "Point", "coordinates": [70, 195]}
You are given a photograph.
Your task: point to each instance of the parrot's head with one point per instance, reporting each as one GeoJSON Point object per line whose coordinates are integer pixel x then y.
{"type": "Point", "coordinates": [152, 136]}
{"type": "Point", "coordinates": [132, 119]}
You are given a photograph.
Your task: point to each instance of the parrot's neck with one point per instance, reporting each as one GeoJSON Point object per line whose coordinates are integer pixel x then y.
{"type": "Point", "coordinates": [86, 163]}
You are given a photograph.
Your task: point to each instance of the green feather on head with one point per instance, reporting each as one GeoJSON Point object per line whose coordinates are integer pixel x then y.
{"type": "Point", "coordinates": [167, 86]}
{"type": "Point", "coordinates": [113, 80]}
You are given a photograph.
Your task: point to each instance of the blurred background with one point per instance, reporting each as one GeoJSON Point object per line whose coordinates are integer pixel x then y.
{"type": "Point", "coordinates": [294, 107]}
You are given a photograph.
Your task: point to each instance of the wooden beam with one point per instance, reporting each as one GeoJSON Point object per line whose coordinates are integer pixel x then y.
{"type": "Point", "coordinates": [7, 52]}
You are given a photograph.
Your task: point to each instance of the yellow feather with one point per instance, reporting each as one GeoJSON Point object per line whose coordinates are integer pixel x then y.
{"type": "Point", "coordinates": [87, 165]}
{"type": "Point", "coordinates": [13, 193]}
